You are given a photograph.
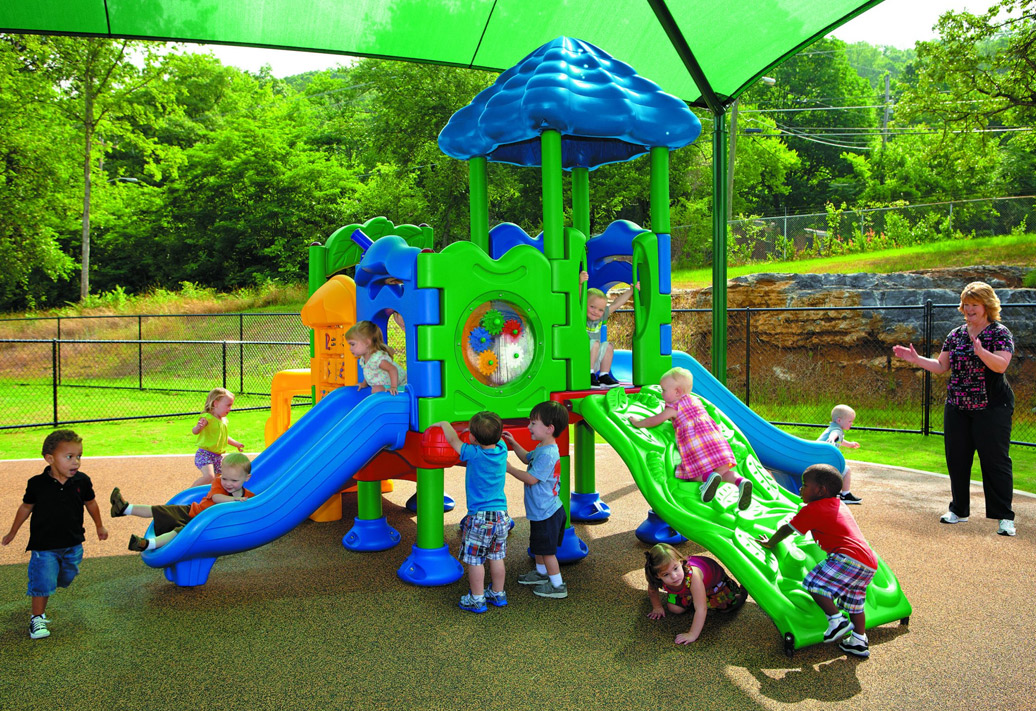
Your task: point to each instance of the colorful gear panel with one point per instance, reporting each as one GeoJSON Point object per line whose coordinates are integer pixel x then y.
{"type": "Point", "coordinates": [500, 358]}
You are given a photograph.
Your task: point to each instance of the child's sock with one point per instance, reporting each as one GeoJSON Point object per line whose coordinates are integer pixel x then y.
{"type": "Point", "coordinates": [128, 511]}
{"type": "Point", "coordinates": [541, 569]}
{"type": "Point", "coordinates": [555, 580]}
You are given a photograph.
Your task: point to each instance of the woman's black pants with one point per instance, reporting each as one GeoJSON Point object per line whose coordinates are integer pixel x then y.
{"type": "Point", "coordinates": [987, 432]}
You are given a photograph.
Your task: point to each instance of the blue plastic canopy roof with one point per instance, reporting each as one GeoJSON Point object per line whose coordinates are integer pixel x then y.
{"type": "Point", "coordinates": [605, 111]}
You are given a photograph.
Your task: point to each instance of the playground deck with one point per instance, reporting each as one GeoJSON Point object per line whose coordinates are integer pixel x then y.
{"type": "Point", "coordinates": [313, 624]}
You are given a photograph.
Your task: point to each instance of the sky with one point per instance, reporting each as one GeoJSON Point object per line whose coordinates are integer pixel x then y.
{"type": "Point", "coordinates": [899, 23]}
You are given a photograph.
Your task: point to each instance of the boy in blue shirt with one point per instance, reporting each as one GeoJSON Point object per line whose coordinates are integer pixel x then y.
{"type": "Point", "coordinates": [542, 504]}
{"type": "Point", "coordinates": [484, 529]}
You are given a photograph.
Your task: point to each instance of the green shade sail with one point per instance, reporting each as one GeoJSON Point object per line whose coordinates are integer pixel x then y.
{"type": "Point", "coordinates": [732, 42]}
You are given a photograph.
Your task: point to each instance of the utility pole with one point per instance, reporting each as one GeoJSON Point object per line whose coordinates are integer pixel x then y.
{"type": "Point", "coordinates": [885, 119]}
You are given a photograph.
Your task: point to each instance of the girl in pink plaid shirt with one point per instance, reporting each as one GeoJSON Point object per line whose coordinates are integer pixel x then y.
{"type": "Point", "coordinates": [705, 454]}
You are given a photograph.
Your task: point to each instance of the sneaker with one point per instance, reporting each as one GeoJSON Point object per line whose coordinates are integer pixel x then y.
{"type": "Point", "coordinates": [848, 498]}
{"type": "Point", "coordinates": [594, 380]}
{"type": "Point", "coordinates": [533, 577]}
{"type": "Point", "coordinates": [608, 379]}
{"type": "Point", "coordinates": [38, 627]}
{"type": "Point", "coordinates": [744, 495]}
{"type": "Point", "coordinates": [837, 628]}
{"type": "Point", "coordinates": [119, 504]}
{"type": "Point", "coordinates": [470, 603]}
{"type": "Point", "coordinates": [855, 645]}
{"type": "Point", "coordinates": [496, 599]}
{"type": "Point", "coordinates": [708, 489]}
{"type": "Point", "coordinates": [137, 543]}
{"type": "Point", "coordinates": [1006, 527]}
{"type": "Point", "coordinates": [950, 517]}
{"type": "Point", "coordinates": [548, 590]}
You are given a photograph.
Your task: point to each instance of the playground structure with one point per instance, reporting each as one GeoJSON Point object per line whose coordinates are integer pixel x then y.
{"type": "Point", "coordinates": [509, 334]}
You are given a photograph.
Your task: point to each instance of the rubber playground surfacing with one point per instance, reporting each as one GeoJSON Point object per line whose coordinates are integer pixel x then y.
{"type": "Point", "coordinates": [303, 623]}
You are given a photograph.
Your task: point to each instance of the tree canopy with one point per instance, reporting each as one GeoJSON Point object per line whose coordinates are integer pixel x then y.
{"type": "Point", "coordinates": [140, 166]}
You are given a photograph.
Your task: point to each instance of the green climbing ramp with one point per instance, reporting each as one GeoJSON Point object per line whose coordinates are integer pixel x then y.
{"type": "Point", "coordinates": [774, 579]}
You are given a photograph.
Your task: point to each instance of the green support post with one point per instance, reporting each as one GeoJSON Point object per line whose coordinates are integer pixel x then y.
{"type": "Point", "coordinates": [585, 461]}
{"type": "Point", "coordinates": [368, 500]}
{"type": "Point", "coordinates": [553, 196]}
{"type": "Point", "coordinates": [430, 520]}
{"type": "Point", "coordinates": [565, 487]}
{"type": "Point", "coordinates": [719, 249]}
{"type": "Point", "coordinates": [660, 190]}
{"type": "Point", "coordinates": [581, 200]}
{"type": "Point", "coordinates": [478, 180]}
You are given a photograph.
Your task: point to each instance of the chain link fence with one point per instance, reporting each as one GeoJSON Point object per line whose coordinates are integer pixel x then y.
{"type": "Point", "coordinates": [792, 365]}
{"type": "Point", "coordinates": [71, 369]}
{"type": "Point", "coordinates": [779, 238]}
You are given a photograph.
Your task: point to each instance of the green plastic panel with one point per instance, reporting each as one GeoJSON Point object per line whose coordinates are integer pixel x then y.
{"type": "Point", "coordinates": [734, 43]}
{"type": "Point", "coordinates": [469, 279]}
{"type": "Point", "coordinates": [341, 252]}
{"type": "Point", "coordinates": [774, 579]}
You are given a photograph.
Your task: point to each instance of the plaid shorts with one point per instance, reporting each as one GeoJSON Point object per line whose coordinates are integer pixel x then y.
{"type": "Point", "coordinates": [204, 456]}
{"type": "Point", "coordinates": [842, 579]}
{"type": "Point", "coordinates": [484, 536]}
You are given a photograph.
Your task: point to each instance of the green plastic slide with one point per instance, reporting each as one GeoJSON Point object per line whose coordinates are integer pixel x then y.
{"type": "Point", "coordinates": [774, 579]}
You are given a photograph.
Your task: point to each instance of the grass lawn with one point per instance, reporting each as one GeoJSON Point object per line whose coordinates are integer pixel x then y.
{"type": "Point", "coordinates": [173, 436]}
{"type": "Point", "coordinates": [134, 437]}
{"type": "Point", "coordinates": [1009, 249]}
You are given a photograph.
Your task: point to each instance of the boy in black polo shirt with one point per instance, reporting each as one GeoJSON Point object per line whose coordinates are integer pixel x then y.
{"type": "Point", "coordinates": [55, 499]}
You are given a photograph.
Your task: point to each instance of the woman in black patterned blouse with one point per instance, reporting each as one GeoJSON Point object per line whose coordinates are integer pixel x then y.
{"type": "Point", "coordinates": [979, 405]}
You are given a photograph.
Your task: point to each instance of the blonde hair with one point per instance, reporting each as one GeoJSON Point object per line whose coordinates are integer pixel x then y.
{"type": "Point", "coordinates": [981, 293]}
{"type": "Point", "coordinates": [595, 294]}
{"type": "Point", "coordinates": [368, 331]}
{"type": "Point", "coordinates": [236, 459]}
{"type": "Point", "coordinates": [214, 396]}
{"type": "Point", "coordinates": [682, 376]}
{"type": "Point", "coordinates": [840, 411]}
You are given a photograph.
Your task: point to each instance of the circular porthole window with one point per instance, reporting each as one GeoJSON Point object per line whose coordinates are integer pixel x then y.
{"type": "Point", "coordinates": [497, 342]}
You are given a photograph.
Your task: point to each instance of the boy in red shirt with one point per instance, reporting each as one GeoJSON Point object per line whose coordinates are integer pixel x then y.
{"type": "Point", "coordinates": [850, 563]}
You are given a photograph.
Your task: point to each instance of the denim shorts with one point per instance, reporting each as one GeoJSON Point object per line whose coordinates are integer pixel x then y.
{"type": "Point", "coordinates": [53, 569]}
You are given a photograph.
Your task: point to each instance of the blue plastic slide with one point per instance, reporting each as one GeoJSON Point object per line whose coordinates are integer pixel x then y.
{"type": "Point", "coordinates": [292, 478]}
{"type": "Point", "coordinates": [776, 449]}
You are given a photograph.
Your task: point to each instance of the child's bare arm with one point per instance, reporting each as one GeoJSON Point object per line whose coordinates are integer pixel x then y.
{"type": "Point", "coordinates": [655, 420]}
{"type": "Point", "coordinates": [521, 475]}
{"type": "Point", "coordinates": [782, 533]}
{"type": "Point", "coordinates": [621, 299]}
{"type": "Point", "coordinates": [393, 372]}
{"type": "Point", "coordinates": [518, 449]}
{"type": "Point", "coordinates": [657, 608]}
{"type": "Point", "coordinates": [19, 518]}
{"type": "Point", "coordinates": [701, 607]}
{"type": "Point", "coordinates": [850, 445]}
{"type": "Point", "coordinates": [450, 434]}
{"type": "Point", "coordinates": [95, 513]}
{"type": "Point", "coordinates": [226, 498]}
{"type": "Point", "coordinates": [202, 422]}
{"type": "Point", "coordinates": [235, 444]}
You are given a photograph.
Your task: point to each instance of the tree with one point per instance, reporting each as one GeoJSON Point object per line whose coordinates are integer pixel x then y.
{"type": "Point", "coordinates": [980, 70]}
{"type": "Point", "coordinates": [825, 111]}
{"type": "Point", "coordinates": [37, 175]}
{"type": "Point", "coordinates": [96, 81]}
